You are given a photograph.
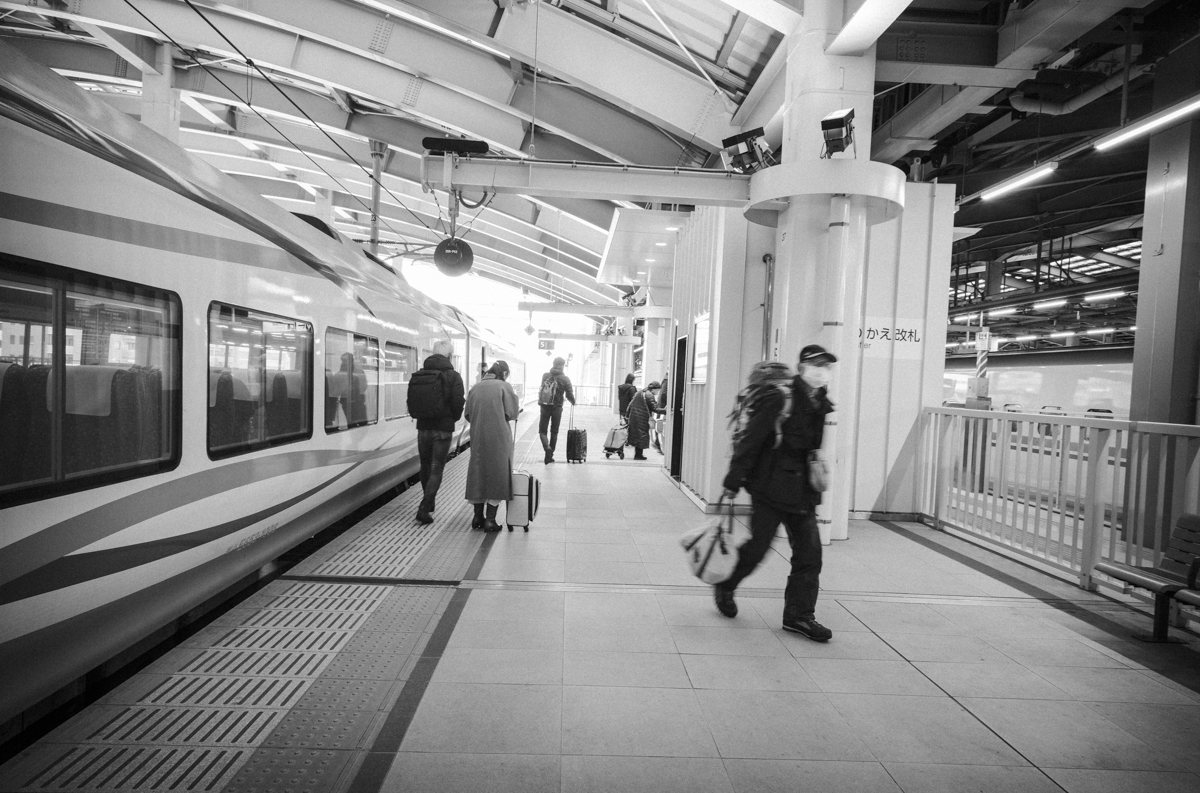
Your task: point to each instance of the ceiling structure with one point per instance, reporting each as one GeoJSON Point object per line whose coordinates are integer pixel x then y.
{"type": "Point", "coordinates": [286, 95]}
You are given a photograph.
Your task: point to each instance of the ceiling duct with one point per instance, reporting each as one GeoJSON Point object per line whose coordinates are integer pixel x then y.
{"type": "Point", "coordinates": [1024, 104]}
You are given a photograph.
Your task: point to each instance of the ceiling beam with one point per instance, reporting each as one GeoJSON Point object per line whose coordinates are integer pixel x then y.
{"type": "Point", "coordinates": [865, 22]}
{"type": "Point", "coordinates": [950, 74]}
{"type": "Point", "coordinates": [782, 15]}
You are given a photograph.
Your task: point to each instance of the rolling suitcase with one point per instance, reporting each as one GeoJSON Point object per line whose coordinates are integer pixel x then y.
{"type": "Point", "coordinates": [521, 509]}
{"type": "Point", "coordinates": [615, 442]}
{"type": "Point", "coordinates": [576, 441]}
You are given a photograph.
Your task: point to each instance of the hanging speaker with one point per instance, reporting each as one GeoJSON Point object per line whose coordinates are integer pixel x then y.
{"type": "Point", "coordinates": [453, 257]}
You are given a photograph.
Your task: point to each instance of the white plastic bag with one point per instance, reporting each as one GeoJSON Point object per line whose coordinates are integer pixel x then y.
{"type": "Point", "coordinates": [712, 549]}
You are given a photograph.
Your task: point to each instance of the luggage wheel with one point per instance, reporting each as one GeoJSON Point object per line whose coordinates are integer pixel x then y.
{"type": "Point", "coordinates": [607, 455]}
{"type": "Point", "coordinates": [510, 527]}
{"type": "Point", "coordinates": [621, 454]}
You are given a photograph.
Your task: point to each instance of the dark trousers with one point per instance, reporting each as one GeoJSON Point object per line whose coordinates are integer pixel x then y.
{"type": "Point", "coordinates": [433, 446]}
{"type": "Point", "coordinates": [552, 417]}
{"type": "Point", "coordinates": [800, 596]}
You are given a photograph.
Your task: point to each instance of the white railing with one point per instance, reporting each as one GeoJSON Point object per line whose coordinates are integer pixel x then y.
{"type": "Point", "coordinates": [1066, 492]}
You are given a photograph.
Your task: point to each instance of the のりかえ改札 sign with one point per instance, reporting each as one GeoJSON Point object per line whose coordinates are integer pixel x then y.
{"type": "Point", "coordinates": [885, 337]}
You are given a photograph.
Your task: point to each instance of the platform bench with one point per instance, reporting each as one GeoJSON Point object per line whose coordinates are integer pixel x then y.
{"type": "Point", "coordinates": [1175, 575]}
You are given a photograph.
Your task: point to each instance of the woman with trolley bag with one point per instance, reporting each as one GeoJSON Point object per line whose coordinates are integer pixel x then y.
{"type": "Point", "coordinates": [491, 404]}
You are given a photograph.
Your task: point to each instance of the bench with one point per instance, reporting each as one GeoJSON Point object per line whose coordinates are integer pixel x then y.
{"type": "Point", "coordinates": [1173, 578]}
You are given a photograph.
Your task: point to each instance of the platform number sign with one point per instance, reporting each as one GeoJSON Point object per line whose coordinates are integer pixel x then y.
{"type": "Point", "coordinates": [545, 344]}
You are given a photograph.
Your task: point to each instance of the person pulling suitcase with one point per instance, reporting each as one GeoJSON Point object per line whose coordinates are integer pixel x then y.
{"type": "Point", "coordinates": [553, 391]}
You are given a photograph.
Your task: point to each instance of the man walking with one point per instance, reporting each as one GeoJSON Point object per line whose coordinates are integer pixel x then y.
{"type": "Point", "coordinates": [785, 481]}
{"type": "Point", "coordinates": [555, 388]}
{"type": "Point", "coordinates": [435, 399]}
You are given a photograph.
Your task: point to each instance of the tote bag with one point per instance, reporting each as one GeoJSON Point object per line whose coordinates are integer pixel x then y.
{"type": "Point", "coordinates": [712, 549]}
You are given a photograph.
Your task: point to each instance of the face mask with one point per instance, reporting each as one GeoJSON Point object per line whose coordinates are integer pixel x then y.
{"type": "Point", "coordinates": [816, 376]}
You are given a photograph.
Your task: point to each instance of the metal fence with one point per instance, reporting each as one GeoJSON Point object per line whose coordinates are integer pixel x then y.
{"type": "Point", "coordinates": [593, 395]}
{"type": "Point", "coordinates": [1066, 492]}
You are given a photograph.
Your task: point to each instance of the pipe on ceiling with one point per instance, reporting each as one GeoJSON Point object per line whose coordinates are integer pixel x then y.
{"type": "Point", "coordinates": [1022, 103]}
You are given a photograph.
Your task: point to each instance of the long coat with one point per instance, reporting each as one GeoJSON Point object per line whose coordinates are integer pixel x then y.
{"type": "Point", "coordinates": [640, 415]}
{"type": "Point", "coordinates": [491, 404]}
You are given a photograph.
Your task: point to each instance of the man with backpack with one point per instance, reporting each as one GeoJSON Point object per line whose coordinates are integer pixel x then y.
{"type": "Point", "coordinates": [435, 399]}
{"type": "Point", "coordinates": [555, 388]}
{"type": "Point", "coordinates": [776, 457]}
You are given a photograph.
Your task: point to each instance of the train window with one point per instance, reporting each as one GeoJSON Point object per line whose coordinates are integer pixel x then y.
{"type": "Point", "coordinates": [259, 380]}
{"type": "Point", "coordinates": [89, 381]}
{"type": "Point", "coordinates": [351, 380]}
{"type": "Point", "coordinates": [399, 362]}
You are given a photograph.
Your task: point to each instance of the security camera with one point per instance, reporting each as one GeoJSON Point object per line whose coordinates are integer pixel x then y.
{"type": "Point", "coordinates": [838, 130]}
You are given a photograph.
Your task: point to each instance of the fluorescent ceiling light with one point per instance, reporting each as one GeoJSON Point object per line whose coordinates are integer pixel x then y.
{"type": "Point", "coordinates": [1133, 327]}
{"type": "Point", "coordinates": [1024, 338]}
{"type": "Point", "coordinates": [1103, 296]}
{"type": "Point", "coordinates": [1062, 334]}
{"type": "Point", "coordinates": [1000, 312]}
{"type": "Point", "coordinates": [1001, 340]}
{"type": "Point", "coordinates": [1100, 331]}
{"type": "Point", "coordinates": [1048, 304]}
{"type": "Point", "coordinates": [1019, 181]}
{"type": "Point", "coordinates": [1165, 117]}
{"type": "Point", "coordinates": [967, 317]}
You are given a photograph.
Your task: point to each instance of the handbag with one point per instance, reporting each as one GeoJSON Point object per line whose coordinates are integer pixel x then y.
{"type": "Point", "coordinates": [712, 549]}
{"type": "Point", "coordinates": [818, 472]}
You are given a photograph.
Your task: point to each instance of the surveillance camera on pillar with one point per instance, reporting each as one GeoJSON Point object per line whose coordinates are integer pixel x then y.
{"type": "Point", "coordinates": [837, 129]}
{"type": "Point", "coordinates": [747, 152]}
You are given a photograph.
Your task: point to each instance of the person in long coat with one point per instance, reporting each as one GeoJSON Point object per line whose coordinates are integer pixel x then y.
{"type": "Point", "coordinates": [491, 404]}
{"type": "Point", "coordinates": [641, 413]}
{"type": "Point", "coordinates": [625, 392]}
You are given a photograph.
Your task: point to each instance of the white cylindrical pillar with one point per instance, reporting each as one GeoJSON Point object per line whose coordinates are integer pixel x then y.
{"type": "Point", "coordinates": [160, 98]}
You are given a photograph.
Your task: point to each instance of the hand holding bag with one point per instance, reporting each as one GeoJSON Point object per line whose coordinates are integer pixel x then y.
{"type": "Point", "coordinates": [818, 472]}
{"type": "Point", "coordinates": [712, 549]}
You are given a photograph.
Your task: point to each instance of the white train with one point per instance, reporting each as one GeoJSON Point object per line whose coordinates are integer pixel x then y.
{"type": "Point", "coordinates": [1068, 382]}
{"type": "Point", "coordinates": [192, 382]}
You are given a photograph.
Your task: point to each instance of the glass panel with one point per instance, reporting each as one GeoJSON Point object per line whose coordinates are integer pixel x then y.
{"type": "Point", "coordinates": [351, 380]}
{"type": "Point", "coordinates": [399, 364]}
{"type": "Point", "coordinates": [259, 391]}
{"type": "Point", "coordinates": [116, 411]}
{"type": "Point", "coordinates": [26, 435]}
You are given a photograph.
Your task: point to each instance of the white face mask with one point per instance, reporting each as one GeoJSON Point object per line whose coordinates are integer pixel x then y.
{"type": "Point", "coordinates": [816, 376]}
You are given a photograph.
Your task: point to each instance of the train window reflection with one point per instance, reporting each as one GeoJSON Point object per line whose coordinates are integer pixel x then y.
{"type": "Point", "coordinates": [399, 362]}
{"type": "Point", "coordinates": [259, 381]}
{"type": "Point", "coordinates": [351, 380]}
{"type": "Point", "coordinates": [89, 381]}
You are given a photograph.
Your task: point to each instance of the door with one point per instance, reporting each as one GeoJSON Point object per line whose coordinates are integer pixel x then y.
{"type": "Point", "coordinates": [678, 379]}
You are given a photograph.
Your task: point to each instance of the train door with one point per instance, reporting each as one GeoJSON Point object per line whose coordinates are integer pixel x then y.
{"type": "Point", "coordinates": [678, 375]}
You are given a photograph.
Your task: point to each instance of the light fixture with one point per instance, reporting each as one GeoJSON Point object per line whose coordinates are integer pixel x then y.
{"type": "Point", "coordinates": [967, 317]}
{"type": "Point", "coordinates": [1001, 312]}
{"type": "Point", "coordinates": [1133, 327]}
{"type": "Point", "coordinates": [651, 261]}
{"type": "Point", "coordinates": [837, 129]}
{"type": "Point", "coordinates": [1165, 117]}
{"type": "Point", "coordinates": [672, 228]}
{"type": "Point", "coordinates": [1100, 331]}
{"type": "Point", "coordinates": [746, 153]}
{"type": "Point", "coordinates": [1102, 296]}
{"type": "Point", "coordinates": [1045, 304]}
{"type": "Point", "coordinates": [1019, 181]}
{"type": "Point", "coordinates": [1024, 338]}
{"type": "Point", "coordinates": [661, 244]}
{"type": "Point", "coordinates": [1062, 334]}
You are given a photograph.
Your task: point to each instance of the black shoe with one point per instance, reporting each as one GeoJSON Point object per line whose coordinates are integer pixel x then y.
{"type": "Point", "coordinates": [725, 604]}
{"type": "Point", "coordinates": [424, 517]}
{"type": "Point", "coordinates": [489, 521]}
{"type": "Point", "coordinates": [477, 521]}
{"type": "Point", "coordinates": [810, 628]}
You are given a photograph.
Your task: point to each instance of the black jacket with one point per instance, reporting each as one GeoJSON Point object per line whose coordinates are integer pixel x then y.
{"type": "Point", "coordinates": [625, 392]}
{"type": "Point", "coordinates": [780, 476]}
{"type": "Point", "coordinates": [565, 391]}
{"type": "Point", "coordinates": [456, 397]}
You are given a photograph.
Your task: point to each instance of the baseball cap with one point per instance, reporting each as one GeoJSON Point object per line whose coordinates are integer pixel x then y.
{"type": "Point", "coordinates": [815, 353]}
{"type": "Point", "coordinates": [654, 385]}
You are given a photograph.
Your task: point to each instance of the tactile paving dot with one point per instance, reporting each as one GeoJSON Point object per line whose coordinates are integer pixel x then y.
{"type": "Point", "coordinates": [299, 770]}
{"type": "Point", "coordinates": [366, 666]}
{"type": "Point", "coordinates": [321, 729]}
{"type": "Point", "coordinates": [414, 599]}
{"type": "Point", "coordinates": [348, 694]}
{"type": "Point", "coordinates": [381, 642]}
{"type": "Point", "coordinates": [397, 622]}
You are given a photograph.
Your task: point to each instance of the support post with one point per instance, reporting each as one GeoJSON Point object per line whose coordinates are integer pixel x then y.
{"type": "Point", "coordinates": [378, 152]}
{"type": "Point", "coordinates": [1093, 516]}
{"type": "Point", "coordinates": [160, 98]}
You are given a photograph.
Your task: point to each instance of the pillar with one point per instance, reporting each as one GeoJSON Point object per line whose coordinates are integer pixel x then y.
{"type": "Point", "coordinates": [160, 97]}
{"type": "Point", "coordinates": [1165, 366]}
{"type": "Point", "coordinates": [821, 242]}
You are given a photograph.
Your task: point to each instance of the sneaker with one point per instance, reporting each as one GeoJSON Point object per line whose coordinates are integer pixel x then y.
{"type": "Point", "coordinates": [810, 628]}
{"type": "Point", "coordinates": [424, 517]}
{"type": "Point", "coordinates": [725, 604]}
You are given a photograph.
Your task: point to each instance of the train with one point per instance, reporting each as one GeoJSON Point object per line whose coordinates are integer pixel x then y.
{"type": "Point", "coordinates": [1069, 382]}
{"type": "Point", "coordinates": [193, 381]}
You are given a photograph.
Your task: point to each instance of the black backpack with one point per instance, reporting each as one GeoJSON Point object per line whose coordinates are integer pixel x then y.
{"type": "Point", "coordinates": [427, 395]}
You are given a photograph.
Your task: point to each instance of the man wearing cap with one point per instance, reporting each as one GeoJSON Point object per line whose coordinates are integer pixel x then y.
{"type": "Point", "coordinates": [785, 485]}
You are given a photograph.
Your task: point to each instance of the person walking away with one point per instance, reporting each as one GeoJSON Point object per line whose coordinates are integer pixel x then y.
{"type": "Point", "coordinates": [625, 392]}
{"type": "Point", "coordinates": [641, 414]}
{"type": "Point", "coordinates": [554, 390]}
{"type": "Point", "coordinates": [435, 399]}
{"type": "Point", "coordinates": [491, 404]}
{"type": "Point", "coordinates": [784, 490]}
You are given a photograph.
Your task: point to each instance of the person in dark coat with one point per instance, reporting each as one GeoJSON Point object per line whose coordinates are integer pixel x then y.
{"type": "Point", "coordinates": [491, 404]}
{"type": "Point", "coordinates": [641, 414]}
{"type": "Point", "coordinates": [435, 434]}
{"type": "Point", "coordinates": [552, 413]}
{"type": "Point", "coordinates": [781, 491]}
{"type": "Point", "coordinates": [625, 392]}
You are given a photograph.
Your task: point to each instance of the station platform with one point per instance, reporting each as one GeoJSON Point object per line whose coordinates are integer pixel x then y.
{"type": "Point", "coordinates": [582, 656]}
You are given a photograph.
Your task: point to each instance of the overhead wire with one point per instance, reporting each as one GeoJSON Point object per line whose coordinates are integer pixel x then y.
{"type": "Point", "coordinates": [266, 120]}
